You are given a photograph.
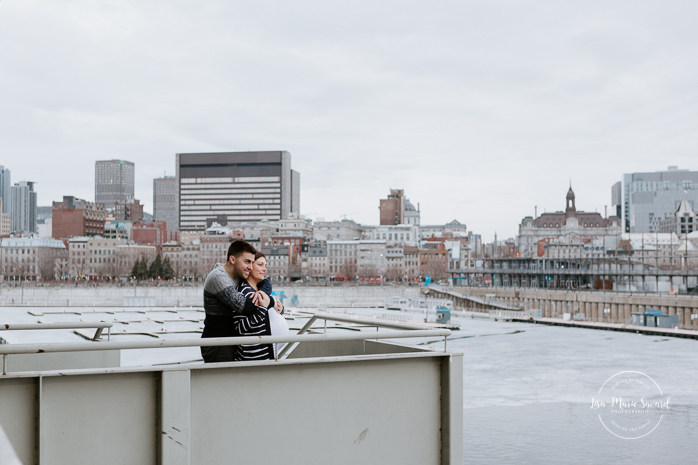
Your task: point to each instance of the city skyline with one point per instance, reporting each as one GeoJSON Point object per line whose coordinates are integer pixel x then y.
{"type": "Point", "coordinates": [475, 116]}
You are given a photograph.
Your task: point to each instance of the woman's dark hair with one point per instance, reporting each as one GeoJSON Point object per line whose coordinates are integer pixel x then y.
{"type": "Point", "coordinates": [259, 255]}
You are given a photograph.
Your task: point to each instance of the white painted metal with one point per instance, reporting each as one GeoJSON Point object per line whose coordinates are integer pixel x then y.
{"type": "Point", "coordinates": [348, 319]}
{"type": "Point", "coordinates": [57, 325]}
{"type": "Point", "coordinates": [175, 408]}
{"type": "Point", "coordinates": [110, 419]}
{"type": "Point", "coordinates": [100, 325]}
{"type": "Point", "coordinates": [387, 409]}
{"type": "Point", "coordinates": [221, 341]}
{"type": "Point", "coordinates": [7, 452]}
{"type": "Point", "coordinates": [372, 402]}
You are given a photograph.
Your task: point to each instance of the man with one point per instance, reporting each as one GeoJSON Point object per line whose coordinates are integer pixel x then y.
{"type": "Point", "coordinates": [222, 300]}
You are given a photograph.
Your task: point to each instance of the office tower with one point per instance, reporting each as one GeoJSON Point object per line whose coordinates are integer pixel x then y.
{"type": "Point", "coordinates": [236, 186]}
{"type": "Point", "coordinates": [652, 197]}
{"type": "Point", "coordinates": [5, 222]}
{"type": "Point", "coordinates": [114, 182]}
{"type": "Point", "coordinates": [23, 207]}
{"type": "Point", "coordinates": [617, 199]}
{"type": "Point", "coordinates": [165, 201]}
{"type": "Point", "coordinates": [5, 189]}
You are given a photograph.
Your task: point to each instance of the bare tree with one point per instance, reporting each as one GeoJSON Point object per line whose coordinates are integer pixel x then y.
{"type": "Point", "coordinates": [46, 266]}
{"type": "Point", "coordinates": [349, 268]}
{"type": "Point", "coordinates": [394, 273]}
{"type": "Point", "coordinates": [368, 271]}
{"type": "Point", "coordinates": [437, 269]}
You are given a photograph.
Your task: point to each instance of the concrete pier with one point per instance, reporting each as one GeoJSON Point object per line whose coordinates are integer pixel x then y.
{"type": "Point", "coordinates": [600, 307]}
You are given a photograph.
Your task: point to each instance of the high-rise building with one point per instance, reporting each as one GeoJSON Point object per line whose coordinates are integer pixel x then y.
{"type": "Point", "coordinates": [617, 199]}
{"type": "Point", "coordinates": [5, 222]}
{"type": "Point", "coordinates": [5, 190]}
{"type": "Point", "coordinates": [23, 207]}
{"type": "Point", "coordinates": [236, 186]}
{"type": "Point", "coordinates": [652, 197]}
{"type": "Point", "coordinates": [76, 217]}
{"type": "Point", "coordinates": [165, 201]}
{"type": "Point", "coordinates": [114, 182]}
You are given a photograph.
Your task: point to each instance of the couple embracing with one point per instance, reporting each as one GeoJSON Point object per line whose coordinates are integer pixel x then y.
{"type": "Point", "coordinates": [238, 302]}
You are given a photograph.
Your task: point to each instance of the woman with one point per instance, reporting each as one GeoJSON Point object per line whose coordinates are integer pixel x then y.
{"type": "Point", "coordinates": [263, 322]}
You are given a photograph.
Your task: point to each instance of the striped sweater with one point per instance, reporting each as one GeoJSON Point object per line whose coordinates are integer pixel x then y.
{"type": "Point", "coordinates": [255, 324]}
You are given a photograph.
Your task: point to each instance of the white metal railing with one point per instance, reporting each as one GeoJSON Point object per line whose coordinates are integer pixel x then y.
{"type": "Point", "coordinates": [100, 325]}
{"type": "Point", "coordinates": [10, 349]}
{"type": "Point", "coordinates": [412, 328]}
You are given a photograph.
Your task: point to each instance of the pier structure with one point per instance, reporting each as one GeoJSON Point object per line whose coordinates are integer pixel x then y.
{"type": "Point", "coordinates": [619, 273]}
{"type": "Point", "coordinates": [604, 307]}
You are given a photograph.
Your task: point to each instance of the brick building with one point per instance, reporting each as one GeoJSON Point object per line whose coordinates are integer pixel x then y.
{"type": "Point", "coordinates": [156, 233]}
{"type": "Point", "coordinates": [130, 210]}
{"type": "Point", "coordinates": [74, 217]}
{"type": "Point", "coordinates": [392, 209]}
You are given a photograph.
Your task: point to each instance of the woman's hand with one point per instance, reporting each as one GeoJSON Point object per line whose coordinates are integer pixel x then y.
{"type": "Point", "coordinates": [260, 299]}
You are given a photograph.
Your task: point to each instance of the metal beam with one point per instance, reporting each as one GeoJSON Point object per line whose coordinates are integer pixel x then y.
{"type": "Point", "coordinates": [66, 325]}
{"type": "Point", "coordinates": [208, 342]}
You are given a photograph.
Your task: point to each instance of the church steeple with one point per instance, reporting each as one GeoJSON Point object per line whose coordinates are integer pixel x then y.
{"type": "Point", "coordinates": [571, 210]}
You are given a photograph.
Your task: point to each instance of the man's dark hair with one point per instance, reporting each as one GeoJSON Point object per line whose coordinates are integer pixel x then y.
{"type": "Point", "coordinates": [239, 247]}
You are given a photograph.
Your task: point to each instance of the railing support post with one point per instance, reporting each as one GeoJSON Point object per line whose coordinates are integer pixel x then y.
{"type": "Point", "coordinates": [175, 417]}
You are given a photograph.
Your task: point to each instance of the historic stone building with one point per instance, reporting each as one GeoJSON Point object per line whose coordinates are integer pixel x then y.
{"type": "Point", "coordinates": [552, 226]}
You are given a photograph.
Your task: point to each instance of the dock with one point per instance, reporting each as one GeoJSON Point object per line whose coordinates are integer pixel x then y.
{"type": "Point", "coordinates": [626, 328]}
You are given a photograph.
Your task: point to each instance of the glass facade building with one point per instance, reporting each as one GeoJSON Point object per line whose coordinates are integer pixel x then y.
{"type": "Point", "coordinates": [23, 210]}
{"type": "Point", "coordinates": [114, 182]}
{"type": "Point", "coordinates": [5, 191]}
{"type": "Point", "coordinates": [165, 201]}
{"type": "Point", "coordinates": [649, 198]}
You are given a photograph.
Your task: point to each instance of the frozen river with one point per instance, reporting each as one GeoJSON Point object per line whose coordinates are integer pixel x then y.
{"type": "Point", "coordinates": [527, 392]}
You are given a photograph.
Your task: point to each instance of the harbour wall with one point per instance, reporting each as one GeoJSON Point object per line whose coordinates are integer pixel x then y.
{"type": "Point", "coordinates": [608, 307]}
{"type": "Point", "coordinates": [144, 296]}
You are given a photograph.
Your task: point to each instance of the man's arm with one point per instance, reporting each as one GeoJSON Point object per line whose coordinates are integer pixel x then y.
{"type": "Point", "coordinates": [222, 298]}
{"type": "Point", "coordinates": [236, 302]}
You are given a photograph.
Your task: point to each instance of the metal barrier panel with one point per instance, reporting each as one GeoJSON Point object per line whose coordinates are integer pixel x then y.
{"type": "Point", "coordinates": [19, 410]}
{"type": "Point", "coordinates": [102, 418]}
{"type": "Point", "coordinates": [63, 361]}
{"type": "Point", "coordinates": [388, 408]}
{"type": "Point", "coordinates": [383, 411]}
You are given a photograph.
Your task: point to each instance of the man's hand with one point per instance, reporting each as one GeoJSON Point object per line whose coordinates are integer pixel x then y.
{"type": "Point", "coordinates": [278, 306]}
{"type": "Point", "coordinates": [260, 299]}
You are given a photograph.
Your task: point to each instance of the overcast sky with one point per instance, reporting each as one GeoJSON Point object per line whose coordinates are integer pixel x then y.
{"type": "Point", "coordinates": [479, 110]}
